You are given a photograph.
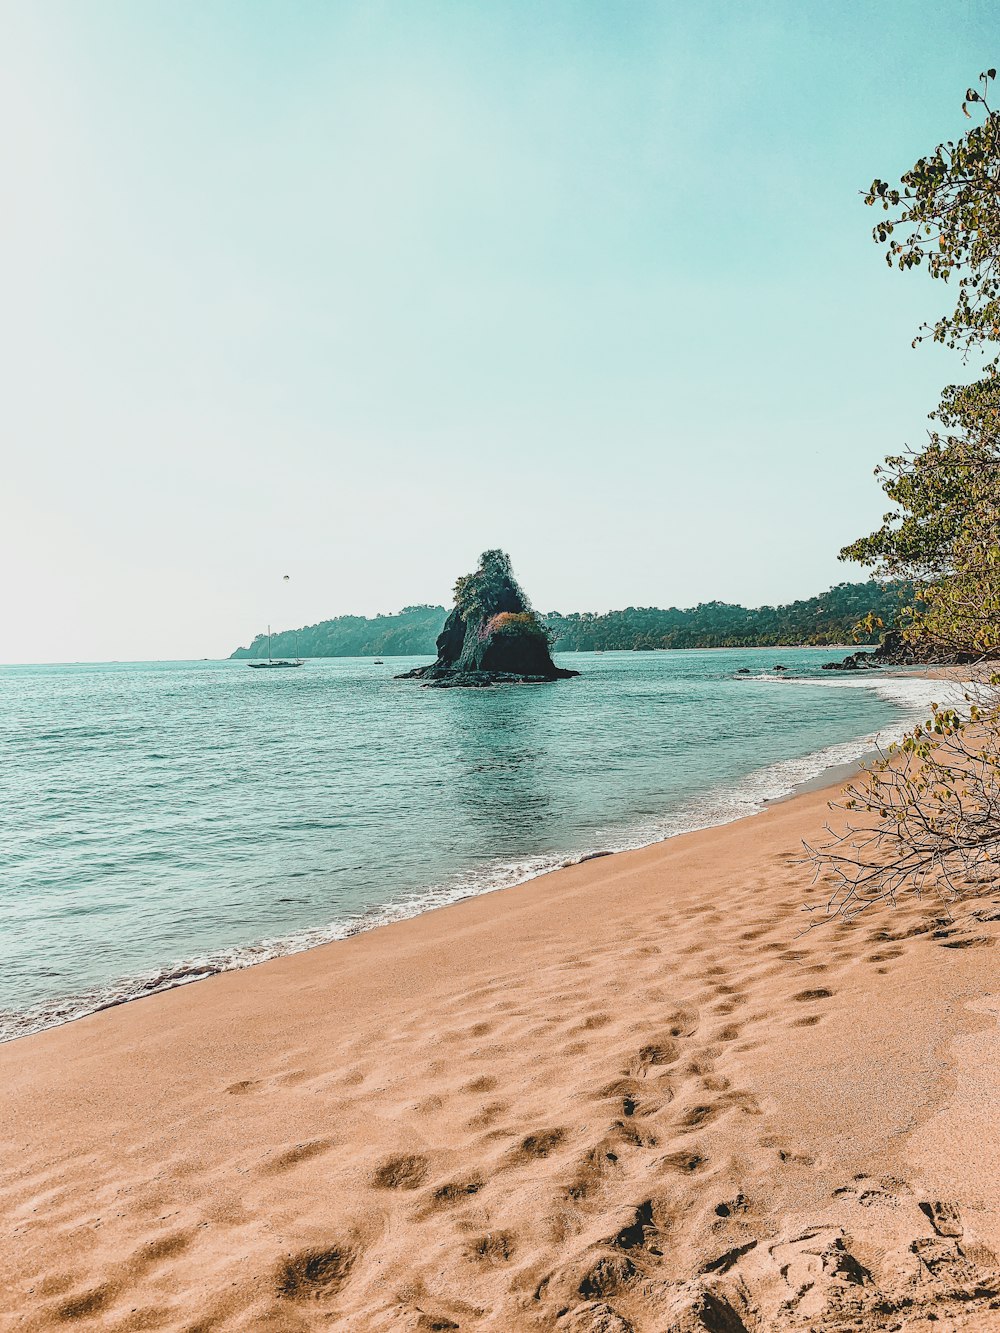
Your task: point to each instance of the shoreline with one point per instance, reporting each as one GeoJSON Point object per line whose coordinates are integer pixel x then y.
{"type": "Point", "coordinates": [367, 657]}
{"type": "Point", "coordinates": [453, 1119]}
{"type": "Point", "coordinates": [194, 969]}
{"type": "Point", "coordinates": [827, 780]}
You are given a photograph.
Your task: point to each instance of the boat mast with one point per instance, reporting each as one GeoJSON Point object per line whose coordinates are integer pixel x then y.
{"type": "Point", "coordinates": [269, 643]}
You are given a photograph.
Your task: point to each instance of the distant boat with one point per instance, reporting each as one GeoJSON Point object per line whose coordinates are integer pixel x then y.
{"type": "Point", "coordinates": [275, 662]}
{"type": "Point", "coordinates": [379, 662]}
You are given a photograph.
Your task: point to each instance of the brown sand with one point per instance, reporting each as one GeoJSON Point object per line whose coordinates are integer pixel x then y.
{"type": "Point", "coordinates": [630, 1095]}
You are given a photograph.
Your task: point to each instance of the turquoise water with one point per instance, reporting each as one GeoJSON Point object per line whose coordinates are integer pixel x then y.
{"type": "Point", "coordinates": [165, 820]}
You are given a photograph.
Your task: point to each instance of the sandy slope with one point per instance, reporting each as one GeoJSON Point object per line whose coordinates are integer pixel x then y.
{"type": "Point", "coordinates": [629, 1095]}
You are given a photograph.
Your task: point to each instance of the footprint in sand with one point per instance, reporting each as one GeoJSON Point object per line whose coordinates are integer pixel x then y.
{"type": "Point", "coordinates": [493, 1249]}
{"type": "Point", "coordinates": [594, 1021]}
{"type": "Point", "coordinates": [55, 1285]}
{"type": "Point", "coordinates": [314, 1273]}
{"type": "Point", "coordinates": [682, 1023]}
{"type": "Point", "coordinates": [434, 1323]}
{"type": "Point", "coordinates": [295, 1155]}
{"type": "Point", "coordinates": [535, 1146]}
{"type": "Point", "coordinates": [405, 1172]}
{"type": "Point", "coordinates": [715, 1083]}
{"type": "Point", "coordinates": [97, 1299]}
{"type": "Point", "coordinates": [736, 1206]}
{"type": "Point", "coordinates": [635, 1097]}
{"type": "Point", "coordinates": [704, 1113]}
{"type": "Point", "coordinates": [655, 1054]}
{"type": "Point", "coordinates": [488, 1115]}
{"type": "Point", "coordinates": [728, 1033]}
{"type": "Point", "coordinates": [155, 1251]}
{"type": "Point", "coordinates": [723, 1262]}
{"type": "Point", "coordinates": [887, 1192]}
{"type": "Point", "coordinates": [644, 1229]}
{"type": "Point", "coordinates": [791, 1158]}
{"type": "Point", "coordinates": [695, 1117]}
{"type": "Point", "coordinates": [88, 1303]}
{"type": "Point", "coordinates": [484, 1084]}
{"type": "Point", "coordinates": [786, 1154]}
{"type": "Point", "coordinates": [813, 1261]}
{"type": "Point", "coordinates": [291, 1079]}
{"type": "Point", "coordinates": [944, 1218]}
{"type": "Point", "coordinates": [884, 956]}
{"type": "Point", "coordinates": [629, 1132]}
{"type": "Point", "coordinates": [685, 1163]}
{"type": "Point", "coordinates": [455, 1192]}
{"type": "Point", "coordinates": [592, 1169]}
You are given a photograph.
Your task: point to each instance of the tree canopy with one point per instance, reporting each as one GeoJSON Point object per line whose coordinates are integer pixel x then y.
{"type": "Point", "coordinates": [928, 818]}
{"type": "Point", "coordinates": [490, 589]}
{"type": "Point", "coordinates": [827, 619]}
{"type": "Point", "coordinates": [945, 216]}
{"type": "Point", "coordinates": [944, 532]}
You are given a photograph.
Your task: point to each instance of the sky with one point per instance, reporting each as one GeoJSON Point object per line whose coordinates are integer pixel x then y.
{"type": "Point", "coordinates": [353, 291]}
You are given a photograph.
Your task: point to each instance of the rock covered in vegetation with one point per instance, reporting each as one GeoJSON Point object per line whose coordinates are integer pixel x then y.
{"type": "Point", "coordinates": [895, 651]}
{"type": "Point", "coordinates": [492, 635]}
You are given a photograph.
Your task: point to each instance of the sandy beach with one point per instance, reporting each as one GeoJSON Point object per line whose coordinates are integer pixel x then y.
{"type": "Point", "coordinates": [629, 1095]}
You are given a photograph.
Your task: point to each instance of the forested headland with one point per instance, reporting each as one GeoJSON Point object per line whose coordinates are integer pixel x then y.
{"type": "Point", "coordinates": [408, 633]}
{"type": "Point", "coordinates": [828, 619]}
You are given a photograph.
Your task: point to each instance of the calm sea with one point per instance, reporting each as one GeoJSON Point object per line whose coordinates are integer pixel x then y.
{"type": "Point", "coordinates": [163, 820]}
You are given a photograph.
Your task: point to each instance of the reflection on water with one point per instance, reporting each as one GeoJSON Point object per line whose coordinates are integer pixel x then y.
{"type": "Point", "coordinates": [496, 741]}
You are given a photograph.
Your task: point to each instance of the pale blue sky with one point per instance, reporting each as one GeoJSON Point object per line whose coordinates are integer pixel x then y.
{"type": "Point", "coordinates": [352, 291]}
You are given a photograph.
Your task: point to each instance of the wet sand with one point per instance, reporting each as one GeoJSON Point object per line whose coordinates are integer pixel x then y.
{"type": "Point", "coordinates": [634, 1094]}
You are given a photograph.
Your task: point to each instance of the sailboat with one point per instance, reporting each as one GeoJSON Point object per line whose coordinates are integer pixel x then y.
{"type": "Point", "coordinates": [274, 662]}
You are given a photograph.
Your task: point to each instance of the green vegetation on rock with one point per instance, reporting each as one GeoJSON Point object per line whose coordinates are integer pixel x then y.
{"type": "Point", "coordinates": [492, 635]}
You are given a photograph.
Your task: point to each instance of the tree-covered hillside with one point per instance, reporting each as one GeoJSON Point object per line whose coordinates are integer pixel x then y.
{"type": "Point", "coordinates": [818, 620]}
{"type": "Point", "coordinates": [410, 633]}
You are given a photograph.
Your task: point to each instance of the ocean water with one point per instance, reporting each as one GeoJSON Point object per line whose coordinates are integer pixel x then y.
{"type": "Point", "coordinates": [164, 820]}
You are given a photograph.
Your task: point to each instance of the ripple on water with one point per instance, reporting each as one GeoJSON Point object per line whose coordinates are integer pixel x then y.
{"type": "Point", "coordinates": [169, 820]}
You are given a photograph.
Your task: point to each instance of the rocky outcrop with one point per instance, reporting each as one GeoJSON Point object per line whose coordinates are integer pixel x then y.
{"type": "Point", "coordinates": [492, 636]}
{"type": "Point", "coordinates": [894, 650]}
